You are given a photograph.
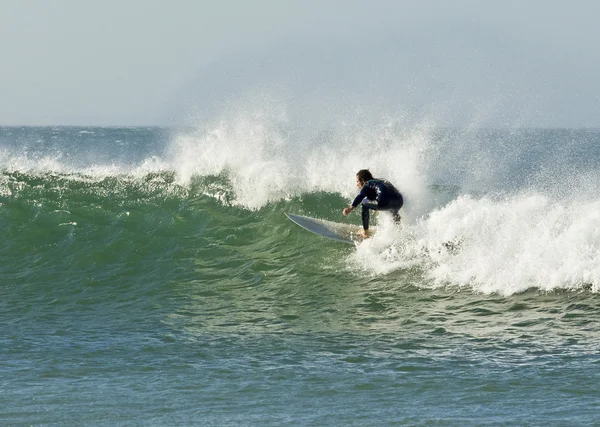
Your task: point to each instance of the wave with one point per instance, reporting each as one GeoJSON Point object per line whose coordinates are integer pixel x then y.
{"type": "Point", "coordinates": [490, 245]}
{"type": "Point", "coordinates": [517, 207]}
{"type": "Point", "coordinates": [497, 211]}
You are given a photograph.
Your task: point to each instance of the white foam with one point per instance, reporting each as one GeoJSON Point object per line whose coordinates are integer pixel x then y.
{"type": "Point", "coordinates": [23, 161]}
{"type": "Point", "coordinates": [499, 246]}
{"type": "Point", "coordinates": [246, 149]}
{"type": "Point", "coordinates": [264, 161]}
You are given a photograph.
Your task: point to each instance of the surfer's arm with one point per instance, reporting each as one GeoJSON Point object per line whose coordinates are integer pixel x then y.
{"type": "Point", "coordinates": [364, 216]}
{"type": "Point", "coordinates": [355, 202]}
{"type": "Point", "coordinates": [360, 197]}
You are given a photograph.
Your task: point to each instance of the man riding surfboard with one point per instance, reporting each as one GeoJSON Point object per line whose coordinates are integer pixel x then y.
{"type": "Point", "coordinates": [375, 194]}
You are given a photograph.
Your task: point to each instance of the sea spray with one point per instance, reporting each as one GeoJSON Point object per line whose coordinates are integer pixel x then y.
{"type": "Point", "coordinates": [265, 161]}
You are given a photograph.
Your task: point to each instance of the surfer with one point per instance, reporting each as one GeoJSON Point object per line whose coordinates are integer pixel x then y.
{"type": "Point", "coordinates": [376, 194]}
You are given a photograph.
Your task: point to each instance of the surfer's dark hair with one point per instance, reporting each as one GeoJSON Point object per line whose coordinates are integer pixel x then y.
{"type": "Point", "coordinates": [364, 175]}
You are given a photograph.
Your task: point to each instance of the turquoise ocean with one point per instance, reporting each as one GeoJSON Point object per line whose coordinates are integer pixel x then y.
{"type": "Point", "coordinates": [149, 276]}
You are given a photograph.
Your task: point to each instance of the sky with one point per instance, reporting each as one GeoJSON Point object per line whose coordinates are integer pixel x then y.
{"type": "Point", "coordinates": [148, 62]}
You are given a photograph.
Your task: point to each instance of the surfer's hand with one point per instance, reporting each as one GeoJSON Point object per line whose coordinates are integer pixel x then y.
{"type": "Point", "coordinates": [346, 211]}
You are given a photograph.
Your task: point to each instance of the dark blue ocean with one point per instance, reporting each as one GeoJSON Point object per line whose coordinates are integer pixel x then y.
{"type": "Point", "coordinates": [149, 276]}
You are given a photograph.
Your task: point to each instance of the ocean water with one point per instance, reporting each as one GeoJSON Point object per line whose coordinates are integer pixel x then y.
{"type": "Point", "coordinates": [149, 276]}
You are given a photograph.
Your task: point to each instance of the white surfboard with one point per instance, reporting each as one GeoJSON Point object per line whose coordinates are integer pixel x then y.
{"type": "Point", "coordinates": [345, 233]}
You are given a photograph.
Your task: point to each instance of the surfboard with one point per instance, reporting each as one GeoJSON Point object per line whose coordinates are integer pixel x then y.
{"type": "Point", "coordinates": [345, 233]}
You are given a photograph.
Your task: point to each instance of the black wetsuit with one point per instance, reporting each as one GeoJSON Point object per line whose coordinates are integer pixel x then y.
{"type": "Point", "coordinates": [379, 195]}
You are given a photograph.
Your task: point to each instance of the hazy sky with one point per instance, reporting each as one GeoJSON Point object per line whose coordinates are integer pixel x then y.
{"type": "Point", "coordinates": [149, 62]}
